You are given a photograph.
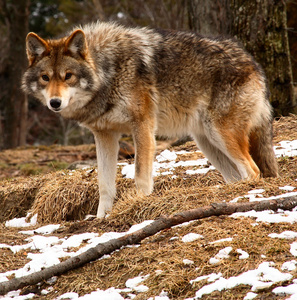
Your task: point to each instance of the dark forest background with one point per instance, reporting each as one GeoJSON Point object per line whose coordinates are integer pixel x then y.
{"type": "Point", "coordinates": [267, 28]}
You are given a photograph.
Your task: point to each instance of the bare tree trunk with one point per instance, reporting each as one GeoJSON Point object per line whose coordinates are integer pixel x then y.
{"type": "Point", "coordinates": [292, 30]}
{"type": "Point", "coordinates": [14, 102]}
{"type": "Point", "coordinates": [164, 222]}
{"type": "Point", "coordinates": [208, 17]}
{"type": "Point", "coordinates": [262, 28]}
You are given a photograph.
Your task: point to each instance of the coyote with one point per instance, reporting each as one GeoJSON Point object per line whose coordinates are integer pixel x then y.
{"type": "Point", "coordinates": [114, 80]}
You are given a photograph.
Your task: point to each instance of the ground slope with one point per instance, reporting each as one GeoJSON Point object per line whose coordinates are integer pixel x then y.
{"type": "Point", "coordinates": [212, 258]}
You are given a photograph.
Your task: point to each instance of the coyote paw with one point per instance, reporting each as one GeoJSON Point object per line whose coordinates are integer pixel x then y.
{"type": "Point", "coordinates": [144, 186]}
{"type": "Point", "coordinates": [104, 208]}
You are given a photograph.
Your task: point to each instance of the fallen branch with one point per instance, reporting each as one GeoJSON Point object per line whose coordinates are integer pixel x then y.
{"type": "Point", "coordinates": [161, 223]}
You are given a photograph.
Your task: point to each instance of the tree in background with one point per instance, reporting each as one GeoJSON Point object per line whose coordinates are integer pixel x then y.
{"type": "Point", "coordinates": [262, 28]}
{"type": "Point", "coordinates": [292, 34]}
{"type": "Point", "coordinates": [210, 18]}
{"type": "Point", "coordinates": [14, 106]}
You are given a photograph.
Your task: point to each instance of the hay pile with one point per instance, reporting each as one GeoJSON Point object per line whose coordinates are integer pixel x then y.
{"type": "Point", "coordinates": [68, 196]}
{"type": "Point", "coordinates": [17, 196]}
{"type": "Point", "coordinates": [54, 197]}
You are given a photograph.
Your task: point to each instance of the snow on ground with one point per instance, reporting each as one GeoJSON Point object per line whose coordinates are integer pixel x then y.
{"type": "Point", "coordinates": [48, 250]}
{"type": "Point", "coordinates": [166, 162]}
{"type": "Point", "coordinates": [262, 277]}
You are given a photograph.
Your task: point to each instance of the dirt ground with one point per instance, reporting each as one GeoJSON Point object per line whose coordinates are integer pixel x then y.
{"type": "Point", "coordinates": [39, 172]}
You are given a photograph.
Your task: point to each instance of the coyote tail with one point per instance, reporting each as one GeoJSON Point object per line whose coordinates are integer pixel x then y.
{"type": "Point", "coordinates": [261, 149]}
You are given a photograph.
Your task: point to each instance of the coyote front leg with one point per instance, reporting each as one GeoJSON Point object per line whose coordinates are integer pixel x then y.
{"type": "Point", "coordinates": [144, 141]}
{"type": "Point", "coordinates": [107, 147]}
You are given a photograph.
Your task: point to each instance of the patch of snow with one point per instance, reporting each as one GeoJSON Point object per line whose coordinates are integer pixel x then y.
{"type": "Point", "coordinates": [269, 216]}
{"type": "Point", "coordinates": [21, 222]}
{"type": "Point", "coordinates": [139, 226]}
{"type": "Point", "coordinates": [134, 283]}
{"type": "Point", "coordinates": [290, 289]}
{"type": "Point", "coordinates": [287, 188]}
{"type": "Point", "coordinates": [214, 260]}
{"type": "Point", "coordinates": [165, 164]}
{"type": "Point", "coordinates": [52, 280]}
{"type": "Point", "coordinates": [200, 171]}
{"type": "Point", "coordinates": [286, 148]}
{"type": "Point", "coordinates": [47, 229]}
{"type": "Point", "coordinates": [256, 191]}
{"type": "Point", "coordinates": [192, 163]}
{"type": "Point", "coordinates": [183, 224]}
{"type": "Point", "coordinates": [190, 237]}
{"type": "Point", "coordinates": [262, 277]}
{"type": "Point", "coordinates": [188, 262]}
{"type": "Point", "coordinates": [163, 296]}
{"type": "Point", "coordinates": [243, 254]}
{"type": "Point", "coordinates": [254, 197]}
{"type": "Point", "coordinates": [37, 242]}
{"type": "Point", "coordinates": [250, 296]}
{"type": "Point", "coordinates": [293, 249]}
{"type": "Point", "coordinates": [107, 236]}
{"type": "Point", "coordinates": [289, 266]}
{"type": "Point", "coordinates": [210, 278]}
{"type": "Point", "coordinates": [166, 155]}
{"type": "Point", "coordinates": [221, 241]}
{"type": "Point", "coordinates": [222, 254]}
{"type": "Point", "coordinates": [129, 171]}
{"type": "Point", "coordinates": [70, 295]}
{"type": "Point", "coordinates": [16, 295]}
{"type": "Point", "coordinates": [77, 239]}
{"type": "Point", "coordinates": [109, 294]}
{"type": "Point", "coordinates": [284, 235]}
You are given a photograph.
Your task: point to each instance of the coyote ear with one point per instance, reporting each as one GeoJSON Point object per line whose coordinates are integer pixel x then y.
{"type": "Point", "coordinates": [36, 46]}
{"type": "Point", "coordinates": [76, 43]}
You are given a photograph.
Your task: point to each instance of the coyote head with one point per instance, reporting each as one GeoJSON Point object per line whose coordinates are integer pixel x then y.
{"type": "Point", "coordinates": [61, 73]}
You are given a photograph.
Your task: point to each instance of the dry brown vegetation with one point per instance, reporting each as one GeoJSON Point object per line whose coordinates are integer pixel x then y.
{"type": "Point", "coordinates": [60, 197]}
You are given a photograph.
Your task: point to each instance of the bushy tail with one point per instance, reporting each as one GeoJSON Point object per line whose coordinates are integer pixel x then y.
{"type": "Point", "coordinates": [261, 150]}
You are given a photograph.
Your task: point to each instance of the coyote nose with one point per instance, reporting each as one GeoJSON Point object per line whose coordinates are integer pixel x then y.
{"type": "Point", "coordinates": [55, 103]}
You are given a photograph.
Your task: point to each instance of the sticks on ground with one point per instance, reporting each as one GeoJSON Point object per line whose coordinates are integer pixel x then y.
{"type": "Point", "coordinates": [161, 223]}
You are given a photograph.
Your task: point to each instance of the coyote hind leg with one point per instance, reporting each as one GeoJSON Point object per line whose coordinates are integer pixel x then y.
{"type": "Point", "coordinates": [218, 159]}
{"type": "Point", "coordinates": [237, 148]}
{"type": "Point", "coordinates": [228, 151]}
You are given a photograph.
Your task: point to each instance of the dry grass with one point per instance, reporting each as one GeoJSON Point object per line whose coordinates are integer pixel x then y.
{"type": "Point", "coordinates": [66, 197]}
{"type": "Point", "coordinates": [285, 128]}
{"type": "Point", "coordinates": [162, 258]}
{"type": "Point", "coordinates": [61, 198]}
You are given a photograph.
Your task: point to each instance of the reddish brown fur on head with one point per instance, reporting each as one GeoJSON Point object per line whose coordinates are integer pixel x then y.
{"type": "Point", "coordinates": [75, 45]}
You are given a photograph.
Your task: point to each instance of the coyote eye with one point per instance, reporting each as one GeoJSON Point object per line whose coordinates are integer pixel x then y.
{"type": "Point", "coordinates": [45, 77]}
{"type": "Point", "coordinates": [68, 76]}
